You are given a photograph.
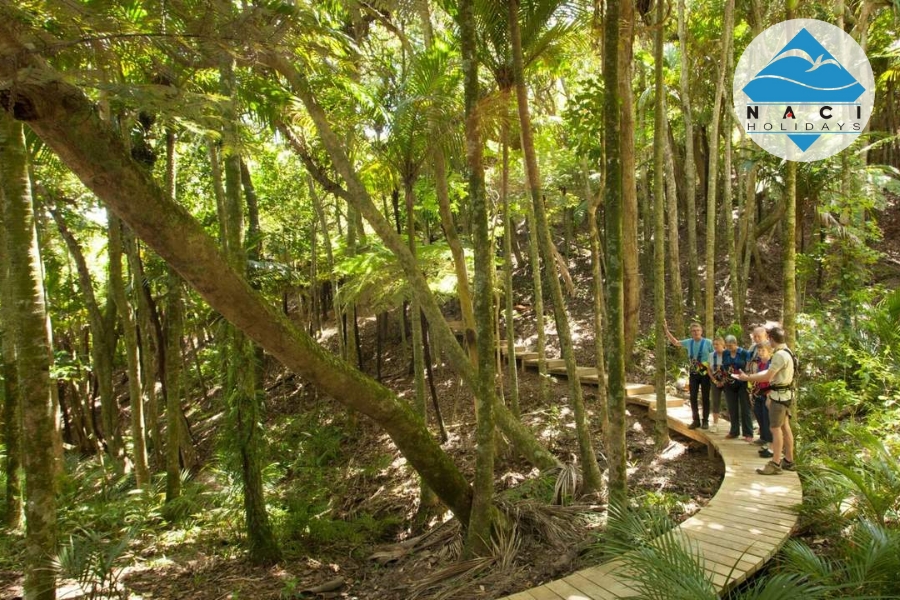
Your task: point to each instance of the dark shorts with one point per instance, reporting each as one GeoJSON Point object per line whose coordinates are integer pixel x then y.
{"type": "Point", "coordinates": [779, 413]}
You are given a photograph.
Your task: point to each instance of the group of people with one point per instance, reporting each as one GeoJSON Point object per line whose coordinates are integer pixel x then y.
{"type": "Point", "coordinates": [758, 379]}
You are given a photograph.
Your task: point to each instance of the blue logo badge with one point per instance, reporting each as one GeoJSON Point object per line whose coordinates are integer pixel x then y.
{"type": "Point", "coordinates": [803, 81]}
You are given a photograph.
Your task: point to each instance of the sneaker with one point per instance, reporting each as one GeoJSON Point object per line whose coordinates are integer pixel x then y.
{"type": "Point", "coordinates": [694, 425]}
{"type": "Point", "coordinates": [730, 436]}
{"type": "Point", "coordinates": [714, 428]}
{"type": "Point", "coordinates": [787, 465]}
{"type": "Point", "coordinates": [766, 453]}
{"type": "Point", "coordinates": [704, 426]}
{"type": "Point", "coordinates": [771, 468]}
{"type": "Point", "coordinates": [759, 442]}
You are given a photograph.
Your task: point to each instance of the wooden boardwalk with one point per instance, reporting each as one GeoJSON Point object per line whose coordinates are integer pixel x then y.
{"type": "Point", "coordinates": [743, 526]}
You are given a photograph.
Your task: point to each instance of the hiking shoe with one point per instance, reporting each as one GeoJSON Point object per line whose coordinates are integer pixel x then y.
{"type": "Point", "coordinates": [787, 465]}
{"type": "Point", "coordinates": [704, 426]}
{"type": "Point", "coordinates": [730, 436]}
{"type": "Point", "coordinates": [759, 442]}
{"type": "Point", "coordinates": [766, 453]}
{"type": "Point", "coordinates": [771, 468]}
{"type": "Point", "coordinates": [694, 425]}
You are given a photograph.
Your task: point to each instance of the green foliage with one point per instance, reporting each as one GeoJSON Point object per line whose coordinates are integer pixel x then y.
{"type": "Point", "coordinates": [96, 562]}
{"type": "Point", "coordinates": [734, 329]}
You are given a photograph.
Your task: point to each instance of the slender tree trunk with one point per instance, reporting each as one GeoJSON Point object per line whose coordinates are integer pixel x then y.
{"type": "Point", "coordinates": [329, 256]}
{"type": "Point", "coordinates": [129, 328]}
{"type": "Point", "coordinates": [713, 175]}
{"type": "Point", "coordinates": [478, 540]}
{"type": "Point", "coordinates": [660, 141]}
{"type": "Point", "coordinates": [448, 224]}
{"type": "Point", "coordinates": [615, 445]}
{"type": "Point", "coordinates": [244, 369]}
{"type": "Point", "coordinates": [32, 352]}
{"type": "Point", "coordinates": [174, 386]}
{"type": "Point", "coordinates": [690, 165]}
{"type": "Point", "coordinates": [676, 294]}
{"type": "Point", "coordinates": [427, 499]}
{"type": "Point", "coordinates": [599, 311]}
{"type": "Point", "coordinates": [727, 201]}
{"type": "Point", "coordinates": [590, 468]}
{"type": "Point", "coordinates": [789, 306]}
{"type": "Point", "coordinates": [12, 415]}
{"type": "Point", "coordinates": [511, 371]}
{"type": "Point", "coordinates": [147, 346]}
{"type": "Point", "coordinates": [631, 252]}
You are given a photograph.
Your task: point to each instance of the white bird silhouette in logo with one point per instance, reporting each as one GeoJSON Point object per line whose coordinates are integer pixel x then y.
{"type": "Point", "coordinates": [798, 53]}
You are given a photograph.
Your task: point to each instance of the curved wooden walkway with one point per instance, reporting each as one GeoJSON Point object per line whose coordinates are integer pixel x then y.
{"type": "Point", "coordinates": [743, 526]}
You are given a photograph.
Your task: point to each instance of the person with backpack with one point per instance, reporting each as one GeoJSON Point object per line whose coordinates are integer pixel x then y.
{"type": "Point", "coordinates": [780, 376]}
{"type": "Point", "coordinates": [698, 348]}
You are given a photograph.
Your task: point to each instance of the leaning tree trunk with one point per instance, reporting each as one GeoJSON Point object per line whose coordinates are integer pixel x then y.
{"type": "Point", "coordinates": [329, 256]}
{"type": "Point", "coordinates": [591, 470]}
{"type": "Point", "coordinates": [615, 444]}
{"type": "Point", "coordinates": [713, 175]}
{"type": "Point", "coordinates": [478, 540]}
{"type": "Point", "coordinates": [129, 329]}
{"type": "Point", "coordinates": [64, 118]}
{"type": "Point", "coordinates": [32, 352]}
{"type": "Point", "coordinates": [660, 141]}
{"type": "Point", "coordinates": [690, 165]}
{"type": "Point", "coordinates": [522, 438]}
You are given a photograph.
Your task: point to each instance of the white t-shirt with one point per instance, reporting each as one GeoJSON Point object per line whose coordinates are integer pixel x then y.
{"type": "Point", "coordinates": [782, 367]}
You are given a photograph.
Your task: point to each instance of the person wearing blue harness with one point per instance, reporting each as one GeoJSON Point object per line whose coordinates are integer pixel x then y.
{"type": "Point", "coordinates": [698, 348]}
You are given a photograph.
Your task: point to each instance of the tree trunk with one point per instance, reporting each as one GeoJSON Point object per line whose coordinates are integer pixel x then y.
{"type": "Point", "coordinates": [660, 141]}
{"type": "Point", "coordinates": [147, 345]}
{"type": "Point", "coordinates": [690, 165]}
{"type": "Point", "coordinates": [591, 471]}
{"type": "Point", "coordinates": [332, 273]}
{"type": "Point", "coordinates": [478, 539]}
{"type": "Point", "coordinates": [630, 249]}
{"type": "Point", "coordinates": [677, 293]}
{"type": "Point", "coordinates": [713, 175]}
{"type": "Point", "coordinates": [789, 306]}
{"type": "Point", "coordinates": [511, 371]}
{"type": "Point", "coordinates": [32, 352]}
{"type": "Point", "coordinates": [244, 367]}
{"type": "Point", "coordinates": [615, 454]}
{"type": "Point", "coordinates": [12, 415]}
{"type": "Point", "coordinates": [727, 202]}
{"type": "Point", "coordinates": [427, 499]}
{"type": "Point", "coordinates": [129, 328]}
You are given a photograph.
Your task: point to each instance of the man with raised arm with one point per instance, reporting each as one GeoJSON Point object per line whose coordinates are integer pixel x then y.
{"type": "Point", "coordinates": [698, 348]}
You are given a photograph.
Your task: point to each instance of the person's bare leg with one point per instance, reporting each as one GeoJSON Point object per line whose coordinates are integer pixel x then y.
{"type": "Point", "coordinates": [777, 441]}
{"type": "Point", "coordinates": [788, 440]}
